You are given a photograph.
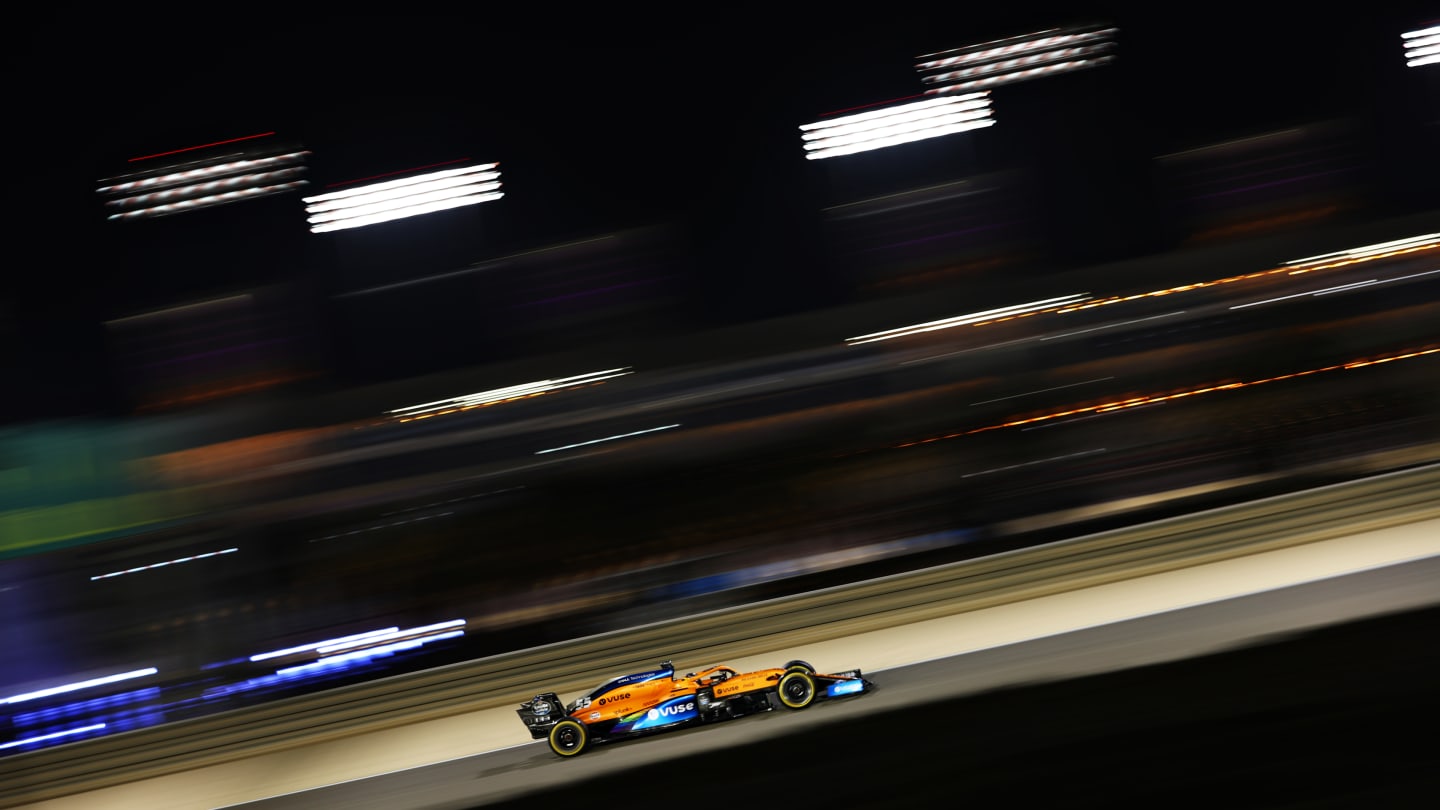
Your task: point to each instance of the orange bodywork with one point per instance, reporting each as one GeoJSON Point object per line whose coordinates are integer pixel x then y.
{"type": "Point", "coordinates": [625, 701]}
{"type": "Point", "coordinates": [657, 699]}
{"type": "Point", "coordinates": [629, 699]}
{"type": "Point", "coordinates": [726, 682]}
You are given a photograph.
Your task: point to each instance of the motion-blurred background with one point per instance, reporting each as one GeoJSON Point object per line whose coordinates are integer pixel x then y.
{"type": "Point", "coordinates": [643, 347]}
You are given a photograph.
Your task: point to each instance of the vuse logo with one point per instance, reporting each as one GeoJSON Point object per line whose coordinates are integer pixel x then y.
{"type": "Point", "coordinates": [669, 711]}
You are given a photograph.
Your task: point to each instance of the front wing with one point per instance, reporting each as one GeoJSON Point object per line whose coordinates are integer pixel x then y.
{"type": "Point", "coordinates": [841, 684]}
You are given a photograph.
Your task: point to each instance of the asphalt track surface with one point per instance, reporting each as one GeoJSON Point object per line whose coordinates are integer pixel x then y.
{"type": "Point", "coordinates": [1282, 698]}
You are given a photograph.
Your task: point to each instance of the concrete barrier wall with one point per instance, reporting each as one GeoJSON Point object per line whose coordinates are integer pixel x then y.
{"type": "Point", "coordinates": [1266, 525]}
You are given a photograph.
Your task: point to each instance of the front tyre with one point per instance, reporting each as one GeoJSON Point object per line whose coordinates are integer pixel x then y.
{"type": "Point", "coordinates": [569, 737]}
{"type": "Point", "coordinates": [796, 689]}
{"type": "Point", "coordinates": [802, 666]}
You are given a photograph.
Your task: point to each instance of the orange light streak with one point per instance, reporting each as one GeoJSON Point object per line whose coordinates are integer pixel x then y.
{"type": "Point", "coordinates": [1151, 399]}
{"type": "Point", "coordinates": [1293, 271]}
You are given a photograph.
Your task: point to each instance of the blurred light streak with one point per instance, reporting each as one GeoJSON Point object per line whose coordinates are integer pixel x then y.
{"type": "Point", "coordinates": [221, 392]}
{"type": "Point", "coordinates": [1375, 361]}
{"type": "Point", "coordinates": [476, 268]}
{"type": "Point", "coordinates": [323, 643]}
{"type": "Point", "coordinates": [1036, 42]}
{"type": "Point", "coordinates": [384, 202]}
{"type": "Point", "coordinates": [903, 200]}
{"type": "Point", "coordinates": [209, 201]}
{"type": "Point", "coordinates": [1422, 47]}
{"type": "Point", "coordinates": [1120, 299]}
{"type": "Point", "coordinates": [175, 561]}
{"type": "Point", "coordinates": [974, 319]}
{"type": "Point", "coordinates": [53, 735]}
{"type": "Point", "coordinates": [249, 165]}
{"type": "Point", "coordinates": [396, 635]}
{"type": "Point", "coordinates": [1232, 146]}
{"type": "Point", "coordinates": [1022, 75]}
{"type": "Point", "coordinates": [906, 123]}
{"type": "Point", "coordinates": [201, 146]}
{"type": "Point", "coordinates": [362, 655]}
{"type": "Point", "coordinates": [452, 500]}
{"type": "Point", "coordinates": [1056, 59]}
{"type": "Point", "coordinates": [1381, 250]}
{"type": "Point", "coordinates": [1294, 295]}
{"type": "Point", "coordinates": [1077, 419]}
{"type": "Point", "coordinates": [216, 181]}
{"type": "Point", "coordinates": [1114, 325]}
{"type": "Point", "coordinates": [1036, 461]}
{"type": "Point", "coordinates": [71, 687]}
{"type": "Point", "coordinates": [1254, 224]}
{"type": "Point", "coordinates": [401, 187]}
{"type": "Point", "coordinates": [259, 179]}
{"type": "Point", "coordinates": [1041, 391]}
{"type": "Point", "coordinates": [607, 439]}
{"type": "Point", "coordinates": [329, 665]}
{"type": "Point", "coordinates": [508, 393]}
{"type": "Point", "coordinates": [83, 707]}
{"type": "Point", "coordinates": [379, 526]}
{"type": "Point", "coordinates": [1151, 399]}
{"type": "Point", "coordinates": [724, 389]}
{"type": "Point", "coordinates": [406, 197]}
{"type": "Point", "coordinates": [244, 298]}
{"type": "Point", "coordinates": [408, 211]}
{"type": "Point", "coordinates": [1344, 287]}
{"type": "Point", "coordinates": [1016, 59]}
{"type": "Point", "coordinates": [1329, 261]}
{"type": "Point", "coordinates": [1341, 288]}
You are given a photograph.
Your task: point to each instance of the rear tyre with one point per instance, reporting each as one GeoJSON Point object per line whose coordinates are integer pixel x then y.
{"type": "Point", "coordinates": [569, 738]}
{"type": "Point", "coordinates": [796, 690]}
{"type": "Point", "coordinates": [800, 666]}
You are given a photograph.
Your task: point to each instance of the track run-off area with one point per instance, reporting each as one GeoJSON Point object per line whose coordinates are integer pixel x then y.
{"type": "Point", "coordinates": [1139, 597]}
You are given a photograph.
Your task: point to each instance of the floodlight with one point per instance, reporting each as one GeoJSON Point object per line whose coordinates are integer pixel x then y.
{"type": "Point", "coordinates": [890, 126]}
{"type": "Point", "coordinates": [404, 197]}
{"type": "Point", "coordinates": [204, 182]}
{"type": "Point", "coordinates": [1422, 47]}
{"type": "Point", "coordinates": [989, 64]}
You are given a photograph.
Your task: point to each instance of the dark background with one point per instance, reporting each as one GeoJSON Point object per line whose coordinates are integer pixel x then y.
{"type": "Point", "coordinates": [605, 121]}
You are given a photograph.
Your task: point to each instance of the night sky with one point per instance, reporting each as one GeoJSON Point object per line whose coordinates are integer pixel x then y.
{"type": "Point", "coordinates": [599, 123]}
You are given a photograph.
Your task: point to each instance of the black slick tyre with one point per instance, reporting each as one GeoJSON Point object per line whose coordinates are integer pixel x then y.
{"type": "Point", "coordinates": [802, 666]}
{"type": "Point", "coordinates": [796, 689]}
{"type": "Point", "coordinates": [569, 738]}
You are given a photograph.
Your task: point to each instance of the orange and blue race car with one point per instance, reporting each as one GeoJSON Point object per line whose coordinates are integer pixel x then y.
{"type": "Point", "coordinates": [658, 700]}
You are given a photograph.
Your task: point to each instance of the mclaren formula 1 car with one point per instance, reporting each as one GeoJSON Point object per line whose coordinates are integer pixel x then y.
{"type": "Point", "coordinates": [659, 700]}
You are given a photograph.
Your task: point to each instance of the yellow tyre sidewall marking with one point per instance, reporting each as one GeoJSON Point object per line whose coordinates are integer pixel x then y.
{"type": "Point", "coordinates": [579, 727]}
{"type": "Point", "coordinates": [786, 679]}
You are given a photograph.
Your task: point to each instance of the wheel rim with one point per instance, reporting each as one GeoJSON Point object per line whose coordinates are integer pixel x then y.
{"type": "Point", "coordinates": [567, 738]}
{"type": "Point", "coordinates": [797, 691]}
